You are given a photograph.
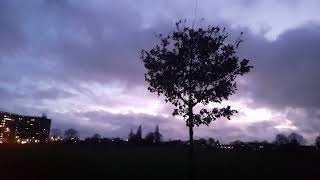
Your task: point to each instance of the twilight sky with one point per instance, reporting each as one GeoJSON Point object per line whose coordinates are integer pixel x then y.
{"type": "Point", "coordinates": [78, 61]}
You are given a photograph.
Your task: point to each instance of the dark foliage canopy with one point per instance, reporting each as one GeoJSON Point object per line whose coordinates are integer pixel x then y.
{"type": "Point", "coordinates": [195, 66]}
{"type": "Point", "coordinates": [295, 138]}
{"type": "Point", "coordinates": [71, 134]}
{"type": "Point", "coordinates": [281, 139]}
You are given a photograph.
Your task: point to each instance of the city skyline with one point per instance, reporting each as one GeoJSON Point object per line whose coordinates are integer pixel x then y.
{"type": "Point", "coordinates": [79, 63]}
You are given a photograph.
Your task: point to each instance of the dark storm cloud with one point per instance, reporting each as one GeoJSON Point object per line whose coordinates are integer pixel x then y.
{"type": "Point", "coordinates": [88, 44]}
{"type": "Point", "coordinates": [264, 130]}
{"type": "Point", "coordinates": [286, 77]}
{"type": "Point", "coordinates": [286, 71]}
{"type": "Point", "coordinates": [308, 120]}
{"type": "Point", "coordinates": [5, 94]}
{"type": "Point", "coordinates": [35, 93]}
{"type": "Point", "coordinates": [11, 32]}
{"type": "Point", "coordinates": [51, 93]}
{"type": "Point", "coordinates": [85, 42]}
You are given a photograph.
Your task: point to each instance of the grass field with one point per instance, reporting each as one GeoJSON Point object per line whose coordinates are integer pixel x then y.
{"type": "Point", "coordinates": [79, 161]}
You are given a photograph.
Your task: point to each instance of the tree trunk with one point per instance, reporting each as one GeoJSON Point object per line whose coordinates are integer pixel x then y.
{"type": "Point", "coordinates": [191, 154]}
{"type": "Point", "coordinates": [191, 147]}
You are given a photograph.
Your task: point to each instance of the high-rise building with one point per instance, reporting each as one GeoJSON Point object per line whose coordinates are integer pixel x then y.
{"type": "Point", "coordinates": [15, 128]}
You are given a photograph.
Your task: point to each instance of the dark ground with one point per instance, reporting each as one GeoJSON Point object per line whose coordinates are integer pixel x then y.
{"type": "Point", "coordinates": [79, 161]}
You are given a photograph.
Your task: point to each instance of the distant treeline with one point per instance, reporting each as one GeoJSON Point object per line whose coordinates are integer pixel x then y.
{"type": "Point", "coordinates": [293, 141]}
{"type": "Point", "coordinates": [72, 136]}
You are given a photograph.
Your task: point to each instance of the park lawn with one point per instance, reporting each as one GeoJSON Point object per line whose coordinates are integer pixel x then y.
{"type": "Point", "coordinates": [82, 161]}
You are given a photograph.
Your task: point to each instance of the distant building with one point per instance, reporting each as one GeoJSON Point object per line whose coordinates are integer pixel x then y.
{"type": "Point", "coordinates": [15, 128]}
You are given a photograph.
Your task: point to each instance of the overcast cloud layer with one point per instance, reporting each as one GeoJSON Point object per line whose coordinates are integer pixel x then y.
{"type": "Point", "coordinates": [78, 61]}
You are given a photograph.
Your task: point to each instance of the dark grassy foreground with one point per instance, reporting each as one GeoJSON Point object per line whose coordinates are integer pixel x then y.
{"type": "Point", "coordinates": [75, 161]}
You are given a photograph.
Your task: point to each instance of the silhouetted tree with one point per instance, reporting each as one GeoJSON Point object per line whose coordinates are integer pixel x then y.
{"type": "Point", "coordinates": [131, 136]}
{"type": "Point", "coordinates": [317, 143]}
{"type": "Point", "coordinates": [153, 137]}
{"type": "Point", "coordinates": [55, 134]}
{"type": "Point", "coordinates": [281, 139]}
{"type": "Point", "coordinates": [296, 139]}
{"type": "Point", "coordinates": [202, 142]}
{"type": "Point", "coordinates": [106, 140]}
{"type": "Point", "coordinates": [212, 142]}
{"type": "Point", "coordinates": [71, 134]}
{"type": "Point", "coordinates": [239, 145]}
{"type": "Point", "coordinates": [138, 135]}
{"type": "Point", "coordinates": [117, 141]}
{"type": "Point", "coordinates": [150, 138]}
{"type": "Point", "coordinates": [157, 135]}
{"type": "Point", "coordinates": [96, 138]}
{"type": "Point", "coordinates": [136, 138]}
{"type": "Point", "coordinates": [194, 66]}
